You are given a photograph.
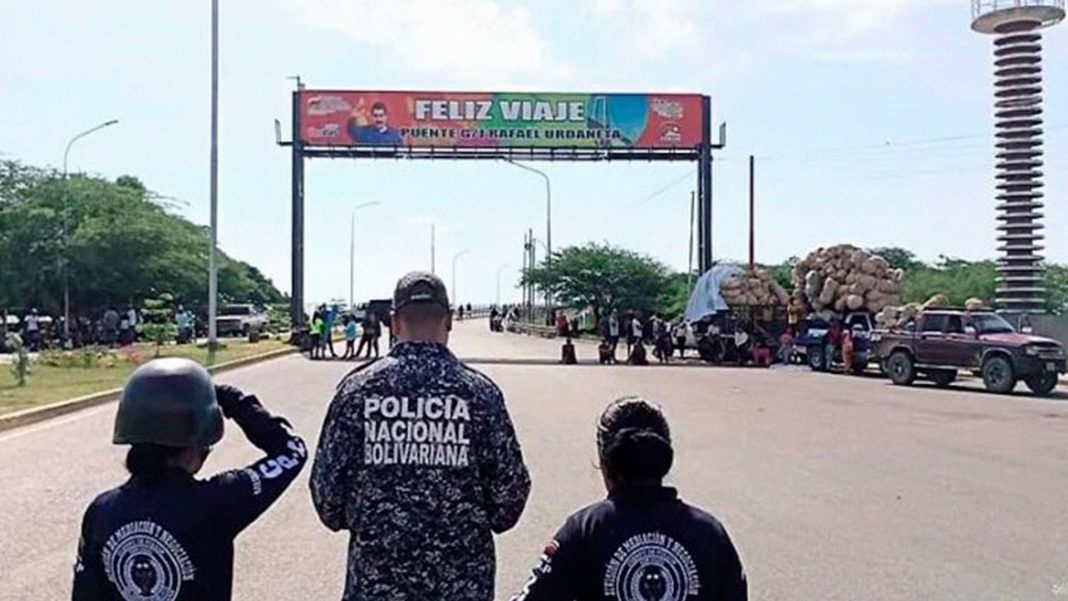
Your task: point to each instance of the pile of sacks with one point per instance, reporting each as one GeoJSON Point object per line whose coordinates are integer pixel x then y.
{"type": "Point", "coordinates": [846, 278]}
{"type": "Point", "coordinates": [893, 316]}
{"type": "Point", "coordinates": [754, 288]}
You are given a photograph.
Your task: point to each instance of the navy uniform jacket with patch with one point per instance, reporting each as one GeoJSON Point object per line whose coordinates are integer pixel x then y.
{"type": "Point", "coordinates": [173, 539]}
{"type": "Point", "coordinates": [418, 459]}
{"type": "Point", "coordinates": [642, 543]}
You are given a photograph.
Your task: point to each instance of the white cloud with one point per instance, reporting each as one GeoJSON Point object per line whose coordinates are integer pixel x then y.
{"type": "Point", "coordinates": [441, 36]}
{"type": "Point", "coordinates": [655, 27]}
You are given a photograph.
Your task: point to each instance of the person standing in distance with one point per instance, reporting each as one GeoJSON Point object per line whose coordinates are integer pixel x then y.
{"type": "Point", "coordinates": [419, 461]}
{"type": "Point", "coordinates": [164, 535]}
{"type": "Point", "coordinates": [642, 542]}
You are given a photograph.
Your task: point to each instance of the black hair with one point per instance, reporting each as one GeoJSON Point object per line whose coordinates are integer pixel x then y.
{"type": "Point", "coordinates": [379, 106]}
{"type": "Point", "coordinates": [148, 462]}
{"type": "Point", "coordinates": [634, 441]}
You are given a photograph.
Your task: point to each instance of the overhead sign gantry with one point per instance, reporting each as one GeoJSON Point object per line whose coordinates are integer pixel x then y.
{"type": "Point", "coordinates": [508, 126]}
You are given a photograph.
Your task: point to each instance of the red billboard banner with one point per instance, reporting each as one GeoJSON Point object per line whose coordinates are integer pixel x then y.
{"type": "Point", "coordinates": [500, 120]}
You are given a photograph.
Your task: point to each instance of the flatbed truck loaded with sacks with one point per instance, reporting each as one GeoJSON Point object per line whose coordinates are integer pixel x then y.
{"type": "Point", "coordinates": [937, 344]}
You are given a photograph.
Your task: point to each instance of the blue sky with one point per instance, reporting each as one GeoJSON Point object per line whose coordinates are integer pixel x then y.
{"type": "Point", "coordinates": [871, 122]}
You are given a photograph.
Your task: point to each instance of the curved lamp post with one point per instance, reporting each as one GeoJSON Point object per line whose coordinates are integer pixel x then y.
{"type": "Point", "coordinates": [66, 271]}
{"type": "Point", "coordinates": [455, 258]}
{"type": "Point", "coordinates": [352, 248]}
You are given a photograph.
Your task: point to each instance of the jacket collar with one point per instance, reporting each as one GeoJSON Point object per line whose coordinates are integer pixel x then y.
{"type": "Point", "coordinates": [170, 473]}
{"type": "Point", "coordinates": [644, 494]}
{"type": "Point", "coordinates": [421, 349]}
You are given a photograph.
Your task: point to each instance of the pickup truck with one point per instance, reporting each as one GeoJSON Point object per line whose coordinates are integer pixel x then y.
{"type": "Point", "coordinates": [240, 320]}
{"type": "Point", "coordinates": [937, 344]}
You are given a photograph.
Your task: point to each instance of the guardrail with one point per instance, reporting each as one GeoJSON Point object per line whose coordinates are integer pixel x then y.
{"type": "Point", "coordinates": [532, 329]}
{"type": "Point", "coordinates": [475, 313]}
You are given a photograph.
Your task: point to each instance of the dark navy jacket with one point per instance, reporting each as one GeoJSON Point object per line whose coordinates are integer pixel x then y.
{"type": "Point", "coordinates": [173, 539]}
{"type": "Point", "coordinates": [419, 461]}
{"type": "Point", "coordinates": [641, 543]}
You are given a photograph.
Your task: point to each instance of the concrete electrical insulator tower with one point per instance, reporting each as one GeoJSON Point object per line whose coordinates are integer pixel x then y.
{"type": "Point", "coordinates": [1017, 25]}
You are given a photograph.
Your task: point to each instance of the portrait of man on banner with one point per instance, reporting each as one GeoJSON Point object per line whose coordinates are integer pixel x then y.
{"type": "Point", "coordinates": [376, 130]}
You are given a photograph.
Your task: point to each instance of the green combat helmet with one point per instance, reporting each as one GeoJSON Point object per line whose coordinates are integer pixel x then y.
{"type": "Point", "coordinates": [169, 402]}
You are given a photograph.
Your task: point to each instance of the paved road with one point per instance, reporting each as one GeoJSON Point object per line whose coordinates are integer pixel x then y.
{"type": "Point", "coordinates": [834, 488]}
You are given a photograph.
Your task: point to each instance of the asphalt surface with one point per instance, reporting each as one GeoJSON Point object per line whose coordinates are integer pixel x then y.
{"type": "Point", "coordinates": [833, 487]}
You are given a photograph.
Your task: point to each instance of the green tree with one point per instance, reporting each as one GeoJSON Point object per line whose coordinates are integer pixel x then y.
{"type": "Point", "coordinates": [158, 326]}
{"type": "Point", "coordinates": [1056, 284]}
{"type": "Point", "coordinates": [784, 272]}
{"type": "Point", "coordinates": [602, 277]}
{"type": "Point", "coordinates": [958, 280]}
{"type": "Point", "coordinates": [117, 239]}
{"type": "Point", "coordinates": [899, 258]}
{"type": "Point", "coordinates": [676, 295]}
{"type": "Point", "coordinates": [20, 359]}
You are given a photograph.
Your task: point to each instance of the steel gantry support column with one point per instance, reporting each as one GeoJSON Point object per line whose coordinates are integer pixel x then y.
{"type": "Point", "coordinates": [296, 301]}
{"type": "Point", "coordinates": [704, 191]}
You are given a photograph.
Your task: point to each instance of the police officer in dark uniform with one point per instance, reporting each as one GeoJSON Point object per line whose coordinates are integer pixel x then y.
{"type": "Point", "coordinates": [165, 535]}
{"type": "Point", "coordinates": [642, 543]}
{"type": "Point", "coordinates": [419, 461]}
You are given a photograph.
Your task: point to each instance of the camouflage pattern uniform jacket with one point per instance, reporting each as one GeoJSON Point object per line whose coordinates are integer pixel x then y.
{"type": "Point", "coordinates": [419, 461]}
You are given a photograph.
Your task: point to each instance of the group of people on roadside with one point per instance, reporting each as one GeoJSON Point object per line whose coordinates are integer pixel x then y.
{"type": "Point", "coordinates": [321, 330]}
{"type": "Point", "coordinates": [666, 337]}
{"type": "Point", "coordinates": [500, 318]}
{"type": "Point", "coordinates": [418, 461]}
{"type": "Point", "coordinates": [41, 331]}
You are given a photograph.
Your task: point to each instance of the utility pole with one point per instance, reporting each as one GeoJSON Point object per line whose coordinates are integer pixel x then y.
{"type": "Point", "coordinates": [531, 267]}
{"type": "Point", "coordinates": [526, 269]}
{"type": "Point", "coordinates": [752, 212]}
{"type": "Point", "coordinates": [213, 268]}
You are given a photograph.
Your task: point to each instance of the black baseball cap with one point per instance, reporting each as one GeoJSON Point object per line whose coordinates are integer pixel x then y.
{"type": "Point", "coordinates": [420, 287]}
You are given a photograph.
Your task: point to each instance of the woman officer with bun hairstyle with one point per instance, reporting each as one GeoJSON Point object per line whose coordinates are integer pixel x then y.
{"type": "Point", "coordinates": [642, 543]}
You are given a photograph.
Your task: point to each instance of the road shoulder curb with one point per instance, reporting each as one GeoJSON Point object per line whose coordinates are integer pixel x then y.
{"type": "Point", "coordinates": [33, 415]}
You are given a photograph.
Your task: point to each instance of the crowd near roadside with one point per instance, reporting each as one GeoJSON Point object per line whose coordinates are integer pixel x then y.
{"type": "Point", "coordinates": [751, 339]}
{"type": "Point", "coordinates": [116, 325]}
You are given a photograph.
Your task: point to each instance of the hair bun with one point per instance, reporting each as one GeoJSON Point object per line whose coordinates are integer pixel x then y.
{"type": "Point", "coordinates": [640, 454]}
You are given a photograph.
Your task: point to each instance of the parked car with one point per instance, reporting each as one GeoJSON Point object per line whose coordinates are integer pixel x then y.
{"type": "Point", "coordinates": [240, 320]}
{"type": "Point", "coordinates": [937, 344]}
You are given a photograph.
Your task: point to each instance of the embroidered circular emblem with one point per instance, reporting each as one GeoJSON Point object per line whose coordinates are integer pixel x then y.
{"type": "Point", "coordinates": [651, 567]}
{"type": "Point", "coordinates": [146, 563]}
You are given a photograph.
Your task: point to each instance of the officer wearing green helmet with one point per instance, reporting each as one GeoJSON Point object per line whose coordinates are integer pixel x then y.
{"type": "Point", "coordinates": [165, 535]}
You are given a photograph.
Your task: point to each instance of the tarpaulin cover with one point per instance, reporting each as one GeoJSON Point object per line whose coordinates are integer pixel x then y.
{"type": "Point", "coordinates": [706, 299]}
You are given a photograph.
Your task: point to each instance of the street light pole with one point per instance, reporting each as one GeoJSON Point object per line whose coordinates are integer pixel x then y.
{"type": "Point", "coordinates": [66, 271]}
{"type": "Point", "coordinates": [548, 214]}
{"type": "Point", "coordinates": [213, 268]}
{"type": "Point", "coordinates": [499, 270]}
{"type": "Point", "coordinates": [454, 259]}
{"type": "Point", "coordinates": [352, 249]}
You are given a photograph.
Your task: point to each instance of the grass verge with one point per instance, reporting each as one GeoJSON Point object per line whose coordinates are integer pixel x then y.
{"type": "Point", "coordinates": [50, 384]}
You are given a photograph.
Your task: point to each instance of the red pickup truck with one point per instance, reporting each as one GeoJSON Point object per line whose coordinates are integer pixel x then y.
{"type": "Point", "coordinates": [937, 344]}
